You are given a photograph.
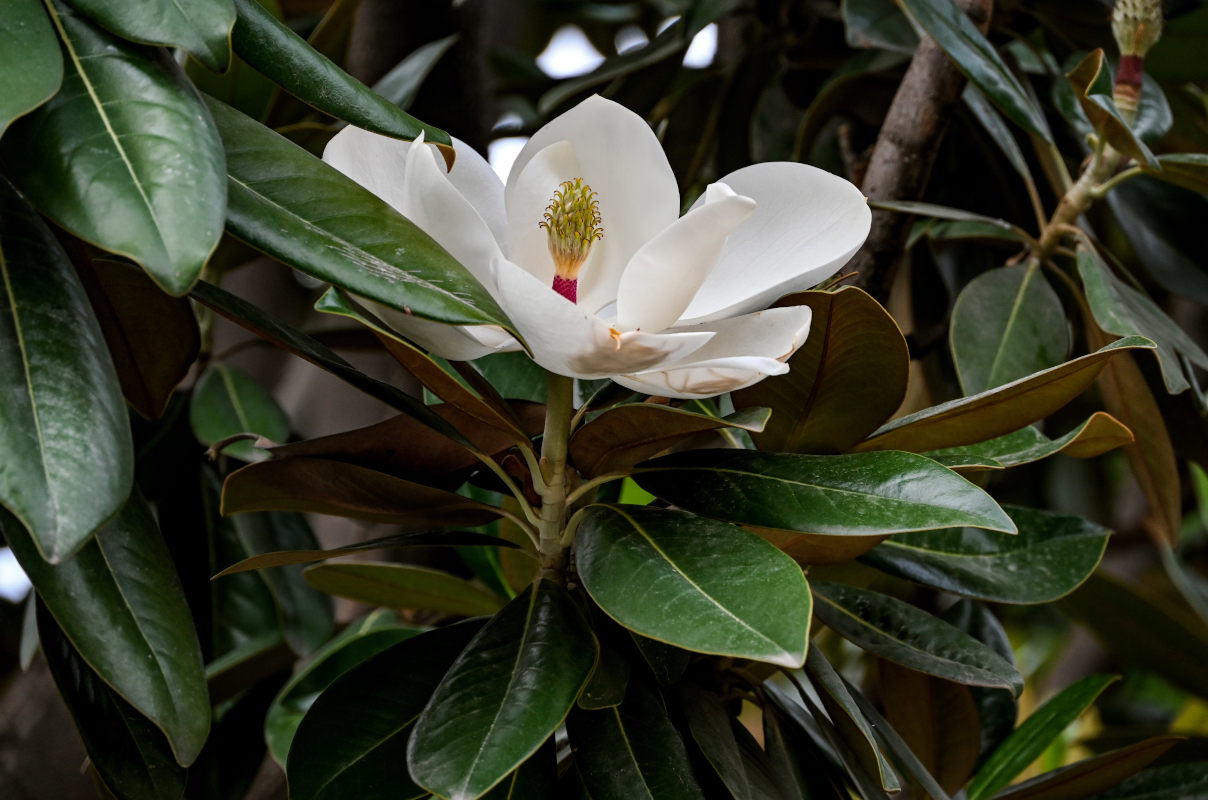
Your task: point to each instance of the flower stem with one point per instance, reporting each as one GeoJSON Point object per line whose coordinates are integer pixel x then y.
{"type": "Point", "coordinates": [558, 411]}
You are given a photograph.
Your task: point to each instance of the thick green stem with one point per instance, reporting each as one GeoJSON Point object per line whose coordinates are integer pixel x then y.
{"type": "Point", "coordinates": [1078, 199]}
{"type": "Point", "coordinates": [558, 411]}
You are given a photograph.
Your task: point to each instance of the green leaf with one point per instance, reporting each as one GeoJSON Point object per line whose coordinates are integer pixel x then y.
{"type": "Point", "coordinates": [1093, 775]}
{"type": "Point", "coordinates": [357, 643]}
{"type": "Point", "coordinates": [227, 401]}
{"type": "Point", "coordinates": [281, 558]}
{"type": "Point", "coordinates": [849, 495]}
{"type": "Point", "coordinates": [1170, 782]}
{"type": "Point", "coordinates": [953, 214]}
{"type": "Point", "coordinates": [1189, 170]}
{"type": "Point", "coordinates": [272, 48]}
{"type": "Point", "coordinates": [877, 23]}
{"type": "Point", "coordinates": [31, 65]}
{"type": "Point", "coordinates": [1098, 434]}
{"type": "Point", "coordinates": [1122, 310]}
{"type": "Point", "coordinates": [996, 708]}
{"type": "Point", "coordinates": [403, 586]}
{"type": "Point", "coordinates": [536, 777]}
{"type": "Point", "coordinates": [608, 683]}
{"type": "Point", "coordinates": [903, 634]}
{"type": "Point", "coordinates": [121, 604]}
{"type": "Point", "coordinates": [850, 720]}
{"type": "Point", "coordinates": [998, 411]}
{"type": "Point", "coordinates": [64, 430]}
{"type": "Point", "coordinates": [1007, 324]}
{"type": "Point", "coordinates": [1035, 734]}
{"type": "Point", "coordinates": [653, 569]}
{"type": "Point", "coordinates": [622, 436]}
{"type": "Point", "coordinates": [848, 378]}
{"type": "Point", "coordinates": [130, 754]}
{"type": "Point", "coordinates": [504, 696]}
{"type": "Point", "coordinates": [993, 124]}
{"type": "Point", "coordinates": [1052, 555]}
{"type": "Point", "coordinates": [1091, 81]}
{"type": "Point", "coordinates": [977, 59]}
{"type": "Point", "coordinates": [402, 83]}
{"type": "Point", "coordinates": [323, 486]}
{"type": "Point", "coordinates": [352, 742]}
{"type": "Point", "coordinates": [710, 726]}
{"type": "Point", "coordinates": [632, 752]}
{"type": "Point", "coordinates": [299, 210]}
{"type": "Point", "coordinates": [306, 615]}
{"type": "Point", "coordinates": [124, 156]}
{"type": "Point", "coordinates": [202, 28]}
{"type": "Point", "coordinates": [288, 338]}
{"type": "Point", "coordinates": [1143, 628]}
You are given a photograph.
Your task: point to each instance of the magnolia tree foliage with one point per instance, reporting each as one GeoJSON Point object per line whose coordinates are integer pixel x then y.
{"type": "Point", "coordinates": [678, 508]}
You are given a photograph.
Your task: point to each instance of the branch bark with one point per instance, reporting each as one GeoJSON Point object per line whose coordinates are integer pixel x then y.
{"type": "Point", "coordinates": [905, 152]}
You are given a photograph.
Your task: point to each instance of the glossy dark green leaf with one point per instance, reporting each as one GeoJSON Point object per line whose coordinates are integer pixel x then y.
{"type": "Point", "coordinates": [625, 435]}
{"type": "Point", "coordinates": [1170, 782]}
{"type": "Point", "coordinates": [130, 754]}
{"type": "Point", "coordinates": [202, 28]}
{"type": "Point", "coordinates": [998, 411]}
{"type": "Point", "coordinates": [275, 50]}
{"type": "Point", "coordinates": [299, 210]}
{"type": "Point", "coordinates": [306, 614]}
{"type": "Point", "coordinates": [281, 558]}
{"type": "Point", "coordinates": [64, 430]}
{"type": "Point", "coordinates": [667, 662]}
{"type": "Point", "coordinates": [353, 740]}
{"type": "Point", "coordinates": [324, 486]}
{"type": "Point", "coordinates": [124, 156]}
{"type": "Point", "coordinates": [1144, 628]}
{"type": "Point", "coordinates": [31, 64]}
{"type": "Point", "coordinates": [403, 81]}
{"type": "Point", "coordinates": [403, 586]}
{"type": "Point", "coordinates": [850, 720]}
{"type": "Point", "coordinates": [996, 708]}
{"type": "Point", "coordinates": [536, 777]}
{"type": "Point", "coordinates": [1093, 775]}
{"type": "Point", "coordinates": [977, 59]}
{"type": "Point", "coordinates": [1052, 555]}
{"type": "Point", "coordinates": [295, 341]}
{"type": "Point", "coordinates": [652, 569]}
{"type": "Point", "coordinates": [120, 603]}
{"type": "Point", "coordinates": [878, 23]}
{"type": "Point", "coordinates": [848, 378]}
{"type": "Point", "coordinates": [953, 214]}
{"type": "Point", "coordinates": [606, 689]}
{"type": "Point", "coordinates": [1034, 734]}
{"type": "Point", "coordinates": [153, 337]}
{"type": "Point", "coordinates": [358, 642]}
{"type": "Point", "coordinates": [1087, 80]}
{"type": "Point", "coordinates": [848, 495]}
{"type": "Point", "coordinates": [505, 695]}
{"type": "Point", "coordinates": [1007, 324]}
{"type": "Point", "coordinates": [993, 124]}
{"type": "Point", "coordinates": [1122, 310]}
{"type": "Point", "coordinates": [903, 634]}
{"type": "Point", "coordinates": [710, 726]}
{"type": "Point", "coordinates": [1100, 433]}
{"type": "Point", "coordinates": [227, 401]}
{"type": "Point", "coordinates": [632, 752]}
{"type": "Point", "coordinates": [1189, 170]}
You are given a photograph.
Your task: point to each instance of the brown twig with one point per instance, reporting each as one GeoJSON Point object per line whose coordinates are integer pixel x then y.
{"type": "Point", "coordinates": [905, 151]}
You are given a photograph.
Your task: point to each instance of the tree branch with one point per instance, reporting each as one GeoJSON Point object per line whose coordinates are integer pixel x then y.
{"type": "Point", "coordinates": [905, 151]}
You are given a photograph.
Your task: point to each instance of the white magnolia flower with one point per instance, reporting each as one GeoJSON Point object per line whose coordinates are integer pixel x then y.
{"type": "Point", "coordinates": [587, 253]}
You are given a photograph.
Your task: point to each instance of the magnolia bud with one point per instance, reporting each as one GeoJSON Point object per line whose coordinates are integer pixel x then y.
{"type": "Point", "coordinates": [1137, 25]}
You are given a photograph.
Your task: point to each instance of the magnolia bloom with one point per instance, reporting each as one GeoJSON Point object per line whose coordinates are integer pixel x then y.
{"type": "Point", "coordinates": [586, 252]}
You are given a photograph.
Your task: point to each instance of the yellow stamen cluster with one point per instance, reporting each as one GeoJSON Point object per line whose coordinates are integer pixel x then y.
{"type": "Point", "coordinates": [572, 220]}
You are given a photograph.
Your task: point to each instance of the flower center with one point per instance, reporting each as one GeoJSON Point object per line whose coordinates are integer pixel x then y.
{"type": "Point", "coordinates": [572, 220]}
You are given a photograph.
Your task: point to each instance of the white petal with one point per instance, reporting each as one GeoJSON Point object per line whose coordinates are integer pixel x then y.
{"type": "Point", "coordinates": [666, 272]}
{"type": "Point", "coordinates": [621, 159]}
{"type": "Point", "coordinates": [412, 179]}
{"type": "Point", "coordinates": [744, 351]}
{"type": "Point", "coordinates": [808, 224]}
{"type": "Point", "coordinates": [528, 194]}
{"type": "Point", "coordinates": [454, 342]}
{"type": "Point", "coordinates": [478, 182]}
{"type": "Point", "coordinates": [569, 341]}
